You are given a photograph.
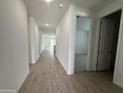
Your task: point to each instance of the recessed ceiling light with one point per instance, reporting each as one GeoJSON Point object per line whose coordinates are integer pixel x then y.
{"type": "Point", "coordinates": [47, 24]}
{"type": "Point", "coordinates": [61, 5]}
{"type": "Point", "coordinates": [48, 1]}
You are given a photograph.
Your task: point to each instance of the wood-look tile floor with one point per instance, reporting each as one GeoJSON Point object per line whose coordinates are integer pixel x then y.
{"type": "Point", "coordinates": [48, 76]}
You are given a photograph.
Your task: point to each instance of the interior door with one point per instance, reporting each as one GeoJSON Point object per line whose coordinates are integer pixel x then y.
{"type": "Point", "coordinates": [105, 45]}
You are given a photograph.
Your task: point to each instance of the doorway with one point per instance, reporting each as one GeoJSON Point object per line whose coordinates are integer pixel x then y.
{"type": "Point", "coordinates": [82, 43]}
{"type": "Point", "coordinates": [49, 41]}
{"type": "Point", "coordinates": [108, 41]}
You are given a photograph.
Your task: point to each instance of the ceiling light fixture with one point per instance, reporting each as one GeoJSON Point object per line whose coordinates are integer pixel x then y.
{"type": "Point", "coordinates": [47, 24]}
{"type": "Point", "coordinates": [61, 5]}
{"type": "Point", "coordinates": [48, 1]}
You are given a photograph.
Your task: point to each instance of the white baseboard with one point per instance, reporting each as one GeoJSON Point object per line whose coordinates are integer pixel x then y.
{"type": "Point", "coordinates": [8, 91]}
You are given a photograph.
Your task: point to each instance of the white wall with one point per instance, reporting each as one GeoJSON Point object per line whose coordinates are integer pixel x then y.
{"type": "Point", "coordinates": [62, 40]}
{"type": "Point", "coordinates": [34, 41]}
{"type": "Point", "coordinates": [14, 62]}
{"type": "Point", "coordinates": [65, 36]}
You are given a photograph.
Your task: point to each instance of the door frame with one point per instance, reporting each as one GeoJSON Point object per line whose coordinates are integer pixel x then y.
{"type": "Point", "coordinates": [99, 43]}
{"type": "Point", "coordinates": [100, 24]}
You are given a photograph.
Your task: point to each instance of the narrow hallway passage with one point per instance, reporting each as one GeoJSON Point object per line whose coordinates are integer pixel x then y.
{"type": "Point", "coordinates": [48, 76]}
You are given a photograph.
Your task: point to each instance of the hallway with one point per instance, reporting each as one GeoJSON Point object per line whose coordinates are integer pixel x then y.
{"type": "Point", "coordinates": [48, 76]}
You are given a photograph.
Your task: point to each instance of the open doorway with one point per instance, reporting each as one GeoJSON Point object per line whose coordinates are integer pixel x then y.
{"type": "Point", "coordinates": [49, 42]}
{"type": "Point", "coordinates": [108, 41]}
{"type": "Point", "coordinates": [82, 43]}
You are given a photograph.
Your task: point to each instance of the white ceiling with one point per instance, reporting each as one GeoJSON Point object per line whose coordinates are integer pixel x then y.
{"type": "Point", "coordinates": [45, 13]}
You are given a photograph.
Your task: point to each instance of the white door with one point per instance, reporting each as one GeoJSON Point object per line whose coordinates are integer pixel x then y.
{"type": "Point", "coordinates": [105, 45]}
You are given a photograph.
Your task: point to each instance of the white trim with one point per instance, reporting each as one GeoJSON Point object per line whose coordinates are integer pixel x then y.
{"type": "Point", "coordinates": [89, 46]}
{"type": "Point", "coordinates": [8, 91]}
